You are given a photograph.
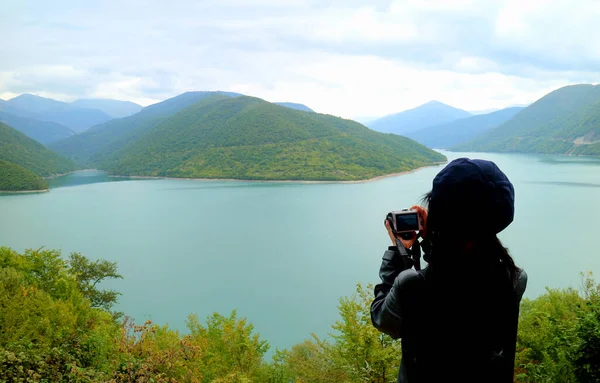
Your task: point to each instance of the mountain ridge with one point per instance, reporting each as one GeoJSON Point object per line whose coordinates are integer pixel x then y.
{"type": "Point", "coordinates": [92, 145]}
{"type": "Point", "coordinates": [429, 114]}
{"type": "Point", "coordinates": [462, 130]}
{"type": "Point", "coordinates": [565, 121]}
{"type": "Point", "coordinates": [248, 138]}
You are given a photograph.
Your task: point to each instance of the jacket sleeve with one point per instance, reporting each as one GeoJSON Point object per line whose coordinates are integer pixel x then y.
{"type": "Point", "coordinates": [386, 310]}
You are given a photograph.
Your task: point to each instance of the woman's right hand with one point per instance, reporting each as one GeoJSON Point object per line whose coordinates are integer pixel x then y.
{"type": "Point", "coordinates": [408, 243]}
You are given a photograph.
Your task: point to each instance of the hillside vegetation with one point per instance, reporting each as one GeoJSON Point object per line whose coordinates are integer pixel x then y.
{"type": "Point", "coordinates": [248, 138]}
{"type": "Point", "coordinates": [19, 149]}
{"type": "Point", "coordinates": [57, 325]}
{"type": "Point", "coordinates": [90, 148]}
{"type": "Point", "coordinates": [566, 121]}
{"type": "Point", "coordinates": [429, 114]}
{"type": "Point", "coordinates": [463, 130]}
{"type": "Point", "coordinates": [16, 178]}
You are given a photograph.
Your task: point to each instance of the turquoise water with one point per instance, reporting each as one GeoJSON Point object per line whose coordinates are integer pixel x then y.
{"type": "Point", "coordinates": [282, 254]}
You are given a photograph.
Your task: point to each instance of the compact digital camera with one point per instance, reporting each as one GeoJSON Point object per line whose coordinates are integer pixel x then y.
{"type": "Point", "coordinates": [405, 222]}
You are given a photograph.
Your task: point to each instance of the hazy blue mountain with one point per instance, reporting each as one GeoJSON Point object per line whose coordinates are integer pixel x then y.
{"type": "Point", "coordinates": [45, 132]}
{"type": "Point", "coordinates": [35, 104]}
{"type": "Point", "coordinates": [114, 108]}
{"type": "Point", "coordinates": [565, 121]}
{"type": "Point", "coordinates": [483, 111]}
{"type": "Point", "coordinates": [456, 132]}
{"type": "Point", "coordinates": [429, 114]}
{"type": "Point", "coordinates": [46, 109]}
{"type": "Point", "coordinates": [294, 105]}
{"type": "Point", "coordinates": [5, 107]}
{"type": "Point", "coordinates": [91, 146]}
{"type": "Point", "coordinates": [76, 119]}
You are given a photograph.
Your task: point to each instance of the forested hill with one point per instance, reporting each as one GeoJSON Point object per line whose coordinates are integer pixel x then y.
{"type": "Point", "coordinates": [248, 138]}
{"type": "Point", "coordinates": [17, 148]}
{"type": "Point", "coordinates": [16, 178]}
{"type": "Point", "coordinates": [565, 121]}
{"type": "Point", "coordinates": [91, 147]}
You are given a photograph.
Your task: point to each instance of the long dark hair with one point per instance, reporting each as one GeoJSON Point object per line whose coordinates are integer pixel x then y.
{"type": "Point", "coordinates": [488, 248]}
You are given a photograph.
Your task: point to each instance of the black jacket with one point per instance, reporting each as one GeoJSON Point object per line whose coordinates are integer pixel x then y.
{"type": "Point", "coordinates": [455, 326]}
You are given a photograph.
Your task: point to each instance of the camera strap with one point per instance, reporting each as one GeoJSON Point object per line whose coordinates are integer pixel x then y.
{"type": "Point", "coordinates": [414, 254]}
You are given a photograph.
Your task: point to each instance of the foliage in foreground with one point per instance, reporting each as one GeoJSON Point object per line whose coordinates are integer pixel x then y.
{"type": "Point", "coordinates": [56, 325]}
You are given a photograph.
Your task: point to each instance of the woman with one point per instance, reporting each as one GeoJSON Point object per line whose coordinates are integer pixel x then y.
{"type": "Point", "coordinates": [457, 317]}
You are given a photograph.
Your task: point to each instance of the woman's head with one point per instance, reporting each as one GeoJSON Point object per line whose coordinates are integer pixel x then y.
{"type": "Point", "coordinates": [473, 198]}
{"type": "Point", "coordinates": [470, 202]}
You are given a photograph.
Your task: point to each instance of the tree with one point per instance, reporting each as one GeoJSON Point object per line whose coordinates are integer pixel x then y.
{"type": "Point", "coordinates": [587, 359]}
{"type": "Point", "coordinates": [233, 352]}
{"type": "Point", "coordinates": [366, 354]}
{"type": "Point", "coordinates": [89, 274]}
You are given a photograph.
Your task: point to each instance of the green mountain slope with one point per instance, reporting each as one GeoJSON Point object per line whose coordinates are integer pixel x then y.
{"type": "Point", "coordinates": [91, 147]}
{"type": "Point", "coordinates": [42, 131]}
{"type": "Point", "coordinates": [429, 114]}
{"type": "Point", "coordinates": [16, 178]}
{"type": "Point", "coordinates": [565, 121]}
{"type": "Point", "coordinates": [17, 148]}
{"type": "Point", "coordinates": [248, 138]}
{"type": "Point", "coordinates": [463, 130]}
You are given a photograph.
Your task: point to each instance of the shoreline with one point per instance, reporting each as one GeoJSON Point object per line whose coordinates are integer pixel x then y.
{"type": "Point", "coordinates": [374, 179]}
{"type": "Point", "coordinates": [71, 172]}
{"type": "Point", "coordinates": [24, 191]}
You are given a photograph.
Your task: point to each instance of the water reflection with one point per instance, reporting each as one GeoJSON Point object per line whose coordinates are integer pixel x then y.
{"type": "Point", "coordinates": [83, 177]}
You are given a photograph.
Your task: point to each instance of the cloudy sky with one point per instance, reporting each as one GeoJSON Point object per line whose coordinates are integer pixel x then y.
{"type": "Point", "coordinates": [349, 58]}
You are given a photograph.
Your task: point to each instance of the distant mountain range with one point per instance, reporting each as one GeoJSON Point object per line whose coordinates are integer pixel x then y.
{"type": "Point", "coordinates": [114, 108]}
{"type": "Point", "coordinates": [28, 154]}
{"type": "Point", "coordinates": [48, 120]}
{"type": "Point", "coordinates": [565, 121]}
{"type": "Point", "coordinates": [42, 131]}
{"type": "Point", "coordinates": [229, 135]}
{"type": "Point", "coordinates": [429, 114]}
{"type": "Point", "coordinates": [46, 109]}
{"type": "Point", "coordinates": [214, 135]}
{"type": "Point", "coordinates": [459, 131]}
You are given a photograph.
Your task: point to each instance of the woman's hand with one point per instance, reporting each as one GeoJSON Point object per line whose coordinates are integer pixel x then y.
{"type": "Point", "coordinates": [409, 242]}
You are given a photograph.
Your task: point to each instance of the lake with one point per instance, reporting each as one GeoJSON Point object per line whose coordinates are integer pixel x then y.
{"type": "Point", "coordinates": [282, 254]}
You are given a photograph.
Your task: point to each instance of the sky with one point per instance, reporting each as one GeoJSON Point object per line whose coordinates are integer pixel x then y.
{"type": "Point", "coordinates": [354, 59]}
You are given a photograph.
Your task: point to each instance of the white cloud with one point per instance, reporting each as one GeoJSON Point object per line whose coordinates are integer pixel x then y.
{"type": "Point", "coordinates": [350, 58]}
{"type": "Point", "coordinates": [352, 86]}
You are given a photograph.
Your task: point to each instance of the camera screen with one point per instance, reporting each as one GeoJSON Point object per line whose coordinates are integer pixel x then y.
{"type": "Point", "coordinates": [407, 222]}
